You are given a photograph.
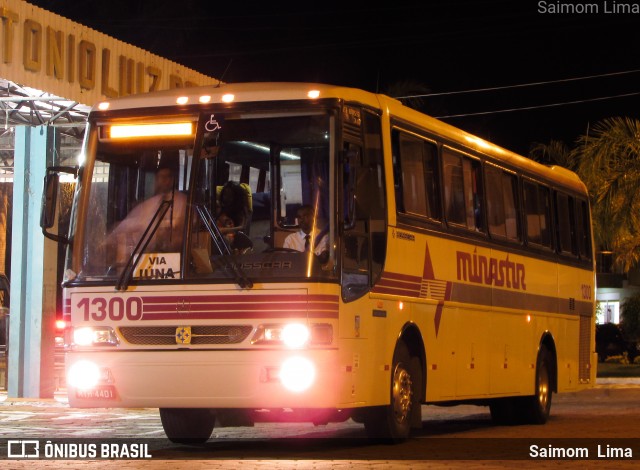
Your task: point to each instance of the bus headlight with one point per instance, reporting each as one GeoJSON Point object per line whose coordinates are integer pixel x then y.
{"type": "Point", "coordinates": [95, 336]}
{"type": "Point", "coordinates": [83, 375]}
{"type": "Point", "coordinates": [291, 335]}
{"type": "Point", "coordinates": [294, 335]}
{"type": "Point", "coordinates": [297, 374]}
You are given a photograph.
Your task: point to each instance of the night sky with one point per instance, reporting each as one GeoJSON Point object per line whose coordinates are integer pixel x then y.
{"type": "Point", "coordinates": [439, 46]}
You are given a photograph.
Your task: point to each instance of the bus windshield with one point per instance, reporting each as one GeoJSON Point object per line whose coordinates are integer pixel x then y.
{"type": "Point", "coordinates": [246, 198]}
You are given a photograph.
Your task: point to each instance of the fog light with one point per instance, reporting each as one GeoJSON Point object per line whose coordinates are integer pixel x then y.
{"type": "Point", "coordinates": [83, 375]}
{"type": "Point", "coordinates": [297, 374]}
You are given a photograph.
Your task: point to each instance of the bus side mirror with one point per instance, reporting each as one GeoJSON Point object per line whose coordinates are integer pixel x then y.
{"type": "Point", "coordinates": [49, 201]}
{"type": "Point", "coordinates": [49, 212]}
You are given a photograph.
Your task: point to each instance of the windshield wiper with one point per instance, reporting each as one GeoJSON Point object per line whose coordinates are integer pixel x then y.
{"type": "Point", "coordinates": [240, 277]}
{"type": "Point", "coordinates": [150, 231]}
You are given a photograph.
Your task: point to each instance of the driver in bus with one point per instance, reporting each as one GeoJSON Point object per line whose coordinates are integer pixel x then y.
{"type": "Point", "coordinates": [169, 235]}
{"type": "Point", "coordinates": [307, 239]}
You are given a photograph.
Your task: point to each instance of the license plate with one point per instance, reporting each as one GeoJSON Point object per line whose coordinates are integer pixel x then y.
{"type": "Point", "coordinates": [104, 392]}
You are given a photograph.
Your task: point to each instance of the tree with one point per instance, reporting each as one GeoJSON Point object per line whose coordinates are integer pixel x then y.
{"type": "Point", "coordinates": [608, 161]}
{"type": "Point", "coordinates": [554, 153]}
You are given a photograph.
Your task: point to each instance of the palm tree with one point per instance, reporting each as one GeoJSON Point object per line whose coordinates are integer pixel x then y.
{"type": "Point", "coordinates": [555, 152]}
{"type": "Point", "coordinates": [608, 161]}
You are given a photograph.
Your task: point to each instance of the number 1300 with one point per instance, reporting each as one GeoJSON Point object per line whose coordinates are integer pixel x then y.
{"type": "Point", "coordinates": [115, 308]}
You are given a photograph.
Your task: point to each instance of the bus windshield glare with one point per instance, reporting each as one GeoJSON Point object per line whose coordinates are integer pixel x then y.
{"type": "Point", "coordinates": [239, 198]}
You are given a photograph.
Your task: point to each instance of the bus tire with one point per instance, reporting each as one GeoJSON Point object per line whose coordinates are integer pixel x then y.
{"type": "Point", "coordinates": [393, 422]}
{"type": "Point", "coordinates": [536, 408]}
{"type": "Point", "coordinates": [187, 425]}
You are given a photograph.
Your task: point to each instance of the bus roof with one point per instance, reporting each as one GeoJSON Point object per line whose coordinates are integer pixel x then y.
{"type": "Point", "coordinates": [286, 91]}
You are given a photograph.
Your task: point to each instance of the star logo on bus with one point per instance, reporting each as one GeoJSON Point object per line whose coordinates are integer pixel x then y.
{"type": "Point", "coordinates": [183, 335]}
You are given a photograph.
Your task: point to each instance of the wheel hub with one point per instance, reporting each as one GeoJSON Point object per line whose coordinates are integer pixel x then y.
{"type": "Point", "coordinates": [401, 394]}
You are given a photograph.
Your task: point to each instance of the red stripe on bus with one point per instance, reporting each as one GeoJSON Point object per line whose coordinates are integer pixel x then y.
{"type": "Point", "coordinates": [400, 277]}
{"type": "Point", "coordinates": [229, 315]}
{"type": "Point", "coordinates": [191, 307]}
{"type": "Point", "coordinates": [240, 298]}
{"type": "Point", "coordinates": [427, 272]}
{"type": "Point", "coordinates": [440, 307]}
{"type": "Point", "coordinates": [400, 284]}
{"type": "Point", "coordinates": [396, 291]}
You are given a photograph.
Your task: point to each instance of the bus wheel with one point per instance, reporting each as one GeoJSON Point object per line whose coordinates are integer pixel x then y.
{"type": "Point", "coordinates": [394, 421]}
{"type": "Point", "coordinates": [536, 408]}
{"type": "Point", "coordinates": [187, 425]}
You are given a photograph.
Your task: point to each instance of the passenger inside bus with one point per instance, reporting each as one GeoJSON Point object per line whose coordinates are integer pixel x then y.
{"type": "Point", "coordinates": [237, 241]}
{"type": "Point", "coordinates": [235, 203]}
{"type": "Point", "coordinates": [311, 236]}
{"type": "Point", "coordinates": [169, 234]}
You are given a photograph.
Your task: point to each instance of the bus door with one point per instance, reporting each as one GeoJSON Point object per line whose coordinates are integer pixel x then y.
{"type": "Point", "coordinates": [363, 203]}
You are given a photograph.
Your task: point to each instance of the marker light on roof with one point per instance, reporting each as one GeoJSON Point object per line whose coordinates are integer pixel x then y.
{"type": "Point", "coordinates": [182, 100]}
{"type": "Point", "coordinates": [204, 99]}
{"type": "Point", "coordinates": [228, 98]}
{"type": "Point", "coordinates": [313, 93]}
{"type": "Point", "coordinates": [150, 130]}
{"type": "Point", "coordinates": [103, 106]}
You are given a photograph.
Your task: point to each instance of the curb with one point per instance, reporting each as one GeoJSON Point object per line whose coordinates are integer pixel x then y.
{"type": "Point", "coordinates": [618, 380]}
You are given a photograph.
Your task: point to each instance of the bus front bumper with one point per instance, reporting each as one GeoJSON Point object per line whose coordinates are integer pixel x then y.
{"type": "Point", "coordinates": [206, 379]}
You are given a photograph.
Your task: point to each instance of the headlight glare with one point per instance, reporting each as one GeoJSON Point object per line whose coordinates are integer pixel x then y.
{"type": "Point", "coordinates": [95, 336]}
{"type": "Point", "coordinates": [83, 375]}
{"type": "Point", "coordinates": [295, 335]}
{"type": "Point", "coordinates": [297, 374]}
{"type": "Point", "coordinates": [292, 335]}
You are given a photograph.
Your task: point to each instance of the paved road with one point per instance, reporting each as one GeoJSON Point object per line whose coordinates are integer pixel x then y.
{"type": "Point", "coordinates": [599, 416]}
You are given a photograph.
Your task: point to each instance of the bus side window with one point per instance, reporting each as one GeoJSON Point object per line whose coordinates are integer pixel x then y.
{"type": "Point", "coordinates": [502, 215]}
{"type": "Point", "coordinates": [417, 178]}
{"type": "Point", "coordinates": [537, 213]}
{"type": "Point", "coordinates": [583, 230]}
{"type": "Point", "coordinates": [462, 191]}
{"type": "Point", "coordinates": [565, 224]}
{"type": "Point", "coordinates": [544, 203]}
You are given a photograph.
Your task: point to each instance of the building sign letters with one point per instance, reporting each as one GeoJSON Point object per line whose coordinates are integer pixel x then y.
{"type": "Point", "coordinates": [71, 54]}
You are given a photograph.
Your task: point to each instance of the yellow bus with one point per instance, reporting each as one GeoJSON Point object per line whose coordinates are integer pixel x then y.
{"type": "Point", "coordinates": [307, 252]}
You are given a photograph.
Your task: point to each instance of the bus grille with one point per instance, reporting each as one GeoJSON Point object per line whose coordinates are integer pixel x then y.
{"type": "Point", "coordinates": [166, 335]}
